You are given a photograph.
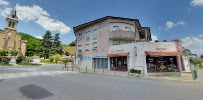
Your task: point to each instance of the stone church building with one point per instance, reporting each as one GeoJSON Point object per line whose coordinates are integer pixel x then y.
{"type": "Point", "coordinates": [9, 39]}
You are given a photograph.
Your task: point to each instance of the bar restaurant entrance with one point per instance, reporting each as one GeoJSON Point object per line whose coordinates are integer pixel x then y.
{"type": "Point", "coordinates": [118, 63]}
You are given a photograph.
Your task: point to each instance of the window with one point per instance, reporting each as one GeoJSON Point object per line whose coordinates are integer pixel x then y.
{"type": "Point", "coordinates": [80, 47]}
{"type": "Point", "coordinates": [116, 42]}
{"type": "Point", "coordinates": [88, 36]}
{"type": "Point", "coordinates": [127, 29]}
{"type": "Point", "coordinates": [13, 25]}
{"type": "Point", "coordinates": [115, 28]}
{"type": "Point", "coordinates": [87, 47]}
{"type": "Point", "coordinates": [94, 45]}
{"type": "Point", "coordinates": [80, 37]}
{"type": "Point", "coordinates": [94, 34]}
{"type": "Point", "coordinates": [100, 63]}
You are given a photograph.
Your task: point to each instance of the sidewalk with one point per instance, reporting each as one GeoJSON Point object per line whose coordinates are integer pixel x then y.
{"type": "Point", "coordinates": [185, 79]}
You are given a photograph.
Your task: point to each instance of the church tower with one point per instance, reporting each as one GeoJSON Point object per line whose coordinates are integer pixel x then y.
{"type": "Point", "coordinates": [12, 20]}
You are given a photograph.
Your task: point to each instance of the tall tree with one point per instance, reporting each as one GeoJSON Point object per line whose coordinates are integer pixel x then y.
{"type": "Point", "coordinates": [57, 47]}
{"type": "Point", "coordinates": [46, 44]}
{"type": "Point", "coordinates": [32, 43]}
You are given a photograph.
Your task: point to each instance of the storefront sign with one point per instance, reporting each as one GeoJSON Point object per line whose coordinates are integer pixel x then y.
{"type": "Point", "coordinates": [161, 49]}
{"type": "Point", "coordinates": [121, 50]}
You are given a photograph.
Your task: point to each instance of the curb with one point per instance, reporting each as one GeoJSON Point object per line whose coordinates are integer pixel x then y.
{"type": "Point", "coordinates": [153, 79]}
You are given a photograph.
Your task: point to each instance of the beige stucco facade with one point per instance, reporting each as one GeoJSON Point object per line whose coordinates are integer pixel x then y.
{"type": "Point", "coordinates": [106, 36]}
{"type": "Point", "coordinates": [9, 39]}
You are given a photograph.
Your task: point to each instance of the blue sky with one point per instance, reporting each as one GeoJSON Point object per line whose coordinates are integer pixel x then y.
{"type": "Point", "coordinates": [168, 19]}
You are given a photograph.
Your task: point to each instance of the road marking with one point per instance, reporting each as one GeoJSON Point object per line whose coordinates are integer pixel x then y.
{"type": "Point", "coordinates": [29, 74]}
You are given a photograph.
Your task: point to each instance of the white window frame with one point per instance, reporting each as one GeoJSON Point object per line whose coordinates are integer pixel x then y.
{"type": "Point", "coordinates": [87, 45]}
{"type": "Point", "coordinates": [94, 47]}
{"type": "Point", "coordinates": [94, 34]}
{"type": "Point", "coordinates": [80, 36]}
{"type": "Point", "coordinates": [79, 47]}
{"type": "Point", "coordinates": [115, 29]}
{"type": "Point", "coordinates": [117, 41]}
{"type": "Point", "coordinates": [87, 36]}
{"type": "Point", "coordinates": [128, 29]}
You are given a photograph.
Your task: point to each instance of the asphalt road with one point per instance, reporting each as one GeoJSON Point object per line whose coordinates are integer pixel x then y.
{"type": "Point", "coordinates": [81, 86]}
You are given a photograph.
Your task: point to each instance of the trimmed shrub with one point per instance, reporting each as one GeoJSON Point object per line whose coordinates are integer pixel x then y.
{"type": "Point", "coordinates": [13, 52]}
{"type": "Point", "coordinates": [3, 52]}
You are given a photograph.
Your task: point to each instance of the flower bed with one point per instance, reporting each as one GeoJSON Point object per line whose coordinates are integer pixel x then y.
{"type": "Point", "coordinates": [133, 70]}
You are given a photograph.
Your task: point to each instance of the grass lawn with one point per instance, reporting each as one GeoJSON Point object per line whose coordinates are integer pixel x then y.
{"type": "Point", "coordinates": [6, 65]}
{"type": "Point", "coordinates": [29, 64]}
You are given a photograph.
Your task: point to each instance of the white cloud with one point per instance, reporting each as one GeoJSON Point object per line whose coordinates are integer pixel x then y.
{"type": "Point", "coordinates": [196, 3]}
{"type": "Point", "coordinates": [3, 2]}
{"type": "Point", "coordinates": [39, 16]}
{"type": "Point", "coordinates": [170, 24]}
{"type": "Point", "coordinates": [194, 44]}
{"type": "Point", "coordinates": [5, 12]}
{"type": "Point", "coordinates": [39, 37]}
{"type": "Point", "coordinates": [201, 35]}
{"type": "Point", "coordinates": [154, 38]}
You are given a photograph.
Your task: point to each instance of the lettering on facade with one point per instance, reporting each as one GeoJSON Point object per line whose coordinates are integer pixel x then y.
{"type": "Point", "coordinates": [161, 49]}
{"type": "Point", "coordinates": [122, 50]}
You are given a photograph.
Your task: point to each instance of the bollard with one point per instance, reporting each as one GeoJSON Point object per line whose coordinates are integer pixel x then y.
{"type": "Point", "coordinates": [72, 68]}
{"type": "Point", "coordinates": [128, 72]}
{"type": "Point", "coordinates": [79, 69]}
{"type": "Point", "coordinates": [94, 69]}
{"type": "Point", "coordinates": [86, 69]}
{"type": "Point", "coordinates": [67, 68]}
{"type": "Point", "coordinates": [103, 70]}
{"type": "Point", "coordinates": [114, 71]}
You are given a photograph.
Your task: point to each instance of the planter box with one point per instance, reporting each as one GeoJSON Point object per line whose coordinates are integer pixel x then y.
{"type": "Point", "coordinates": [135, 71]}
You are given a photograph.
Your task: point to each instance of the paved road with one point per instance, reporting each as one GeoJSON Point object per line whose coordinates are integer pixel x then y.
{"type": "Point", "coordinates": [81, 86]}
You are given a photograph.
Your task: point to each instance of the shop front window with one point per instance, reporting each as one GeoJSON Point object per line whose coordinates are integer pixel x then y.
{"type": "Point", "coordinates": [162, 64]}
{"type": "Point", "coordinates": [119, 63]}
{"type": "Point", "coordinates": [100, 63]}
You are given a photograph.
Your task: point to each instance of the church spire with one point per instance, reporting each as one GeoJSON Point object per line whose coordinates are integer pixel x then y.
{"type": "Point", "coordinates": [13, 14]}
{"type": "Point", "coordinates": [12, 20]}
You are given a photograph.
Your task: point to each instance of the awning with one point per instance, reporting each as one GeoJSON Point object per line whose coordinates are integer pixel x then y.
{"type": "Point", "coordinates": [118, 54]}
{"type": "Point", "coordinates": [156, 53]}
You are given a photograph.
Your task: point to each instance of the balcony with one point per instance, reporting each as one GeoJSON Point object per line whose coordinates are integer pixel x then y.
{"type": "Point", "coordinates": [129, 35]}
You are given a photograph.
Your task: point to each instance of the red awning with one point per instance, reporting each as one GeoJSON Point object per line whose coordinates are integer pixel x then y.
{"type": "Point", "coordinates": [117, 54]}
{"type": "Point", "coordinates": [156, 53]}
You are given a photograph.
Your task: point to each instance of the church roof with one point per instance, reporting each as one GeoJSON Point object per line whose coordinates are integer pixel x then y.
{"type": "Point", "coordinates": [13, 14]}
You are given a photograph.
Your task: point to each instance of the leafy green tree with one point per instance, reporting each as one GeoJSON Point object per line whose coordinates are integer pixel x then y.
{"type": "Point", "coordinates": [32, 43]}
{"type": "Point", "coordinates": [72, 43]}
{"type": "Point", "coordinates": [201, 56]}
{"type": "Point", "coordinates": [57, 47]}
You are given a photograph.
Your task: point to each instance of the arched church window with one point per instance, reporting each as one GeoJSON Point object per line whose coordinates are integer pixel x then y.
{"type": "Point", "coordinates": [13, 25]}
{"type": "Point", "coordinates": [10, 23]}
{"type": "Point", "coordinates": [9, 39]}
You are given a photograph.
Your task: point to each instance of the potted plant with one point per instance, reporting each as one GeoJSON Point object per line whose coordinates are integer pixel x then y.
{"type": "Point", "coordinates": [133, 70]}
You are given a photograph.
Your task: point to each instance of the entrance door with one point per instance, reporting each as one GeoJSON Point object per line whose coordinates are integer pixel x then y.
{"type": "Point", "coordinates": [119, 63]}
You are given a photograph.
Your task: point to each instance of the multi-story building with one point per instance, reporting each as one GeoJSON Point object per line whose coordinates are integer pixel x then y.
{"type": "Point", "coordinates": [116, 43]}
{"type": "Point", "coordinates": [94, 38]}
